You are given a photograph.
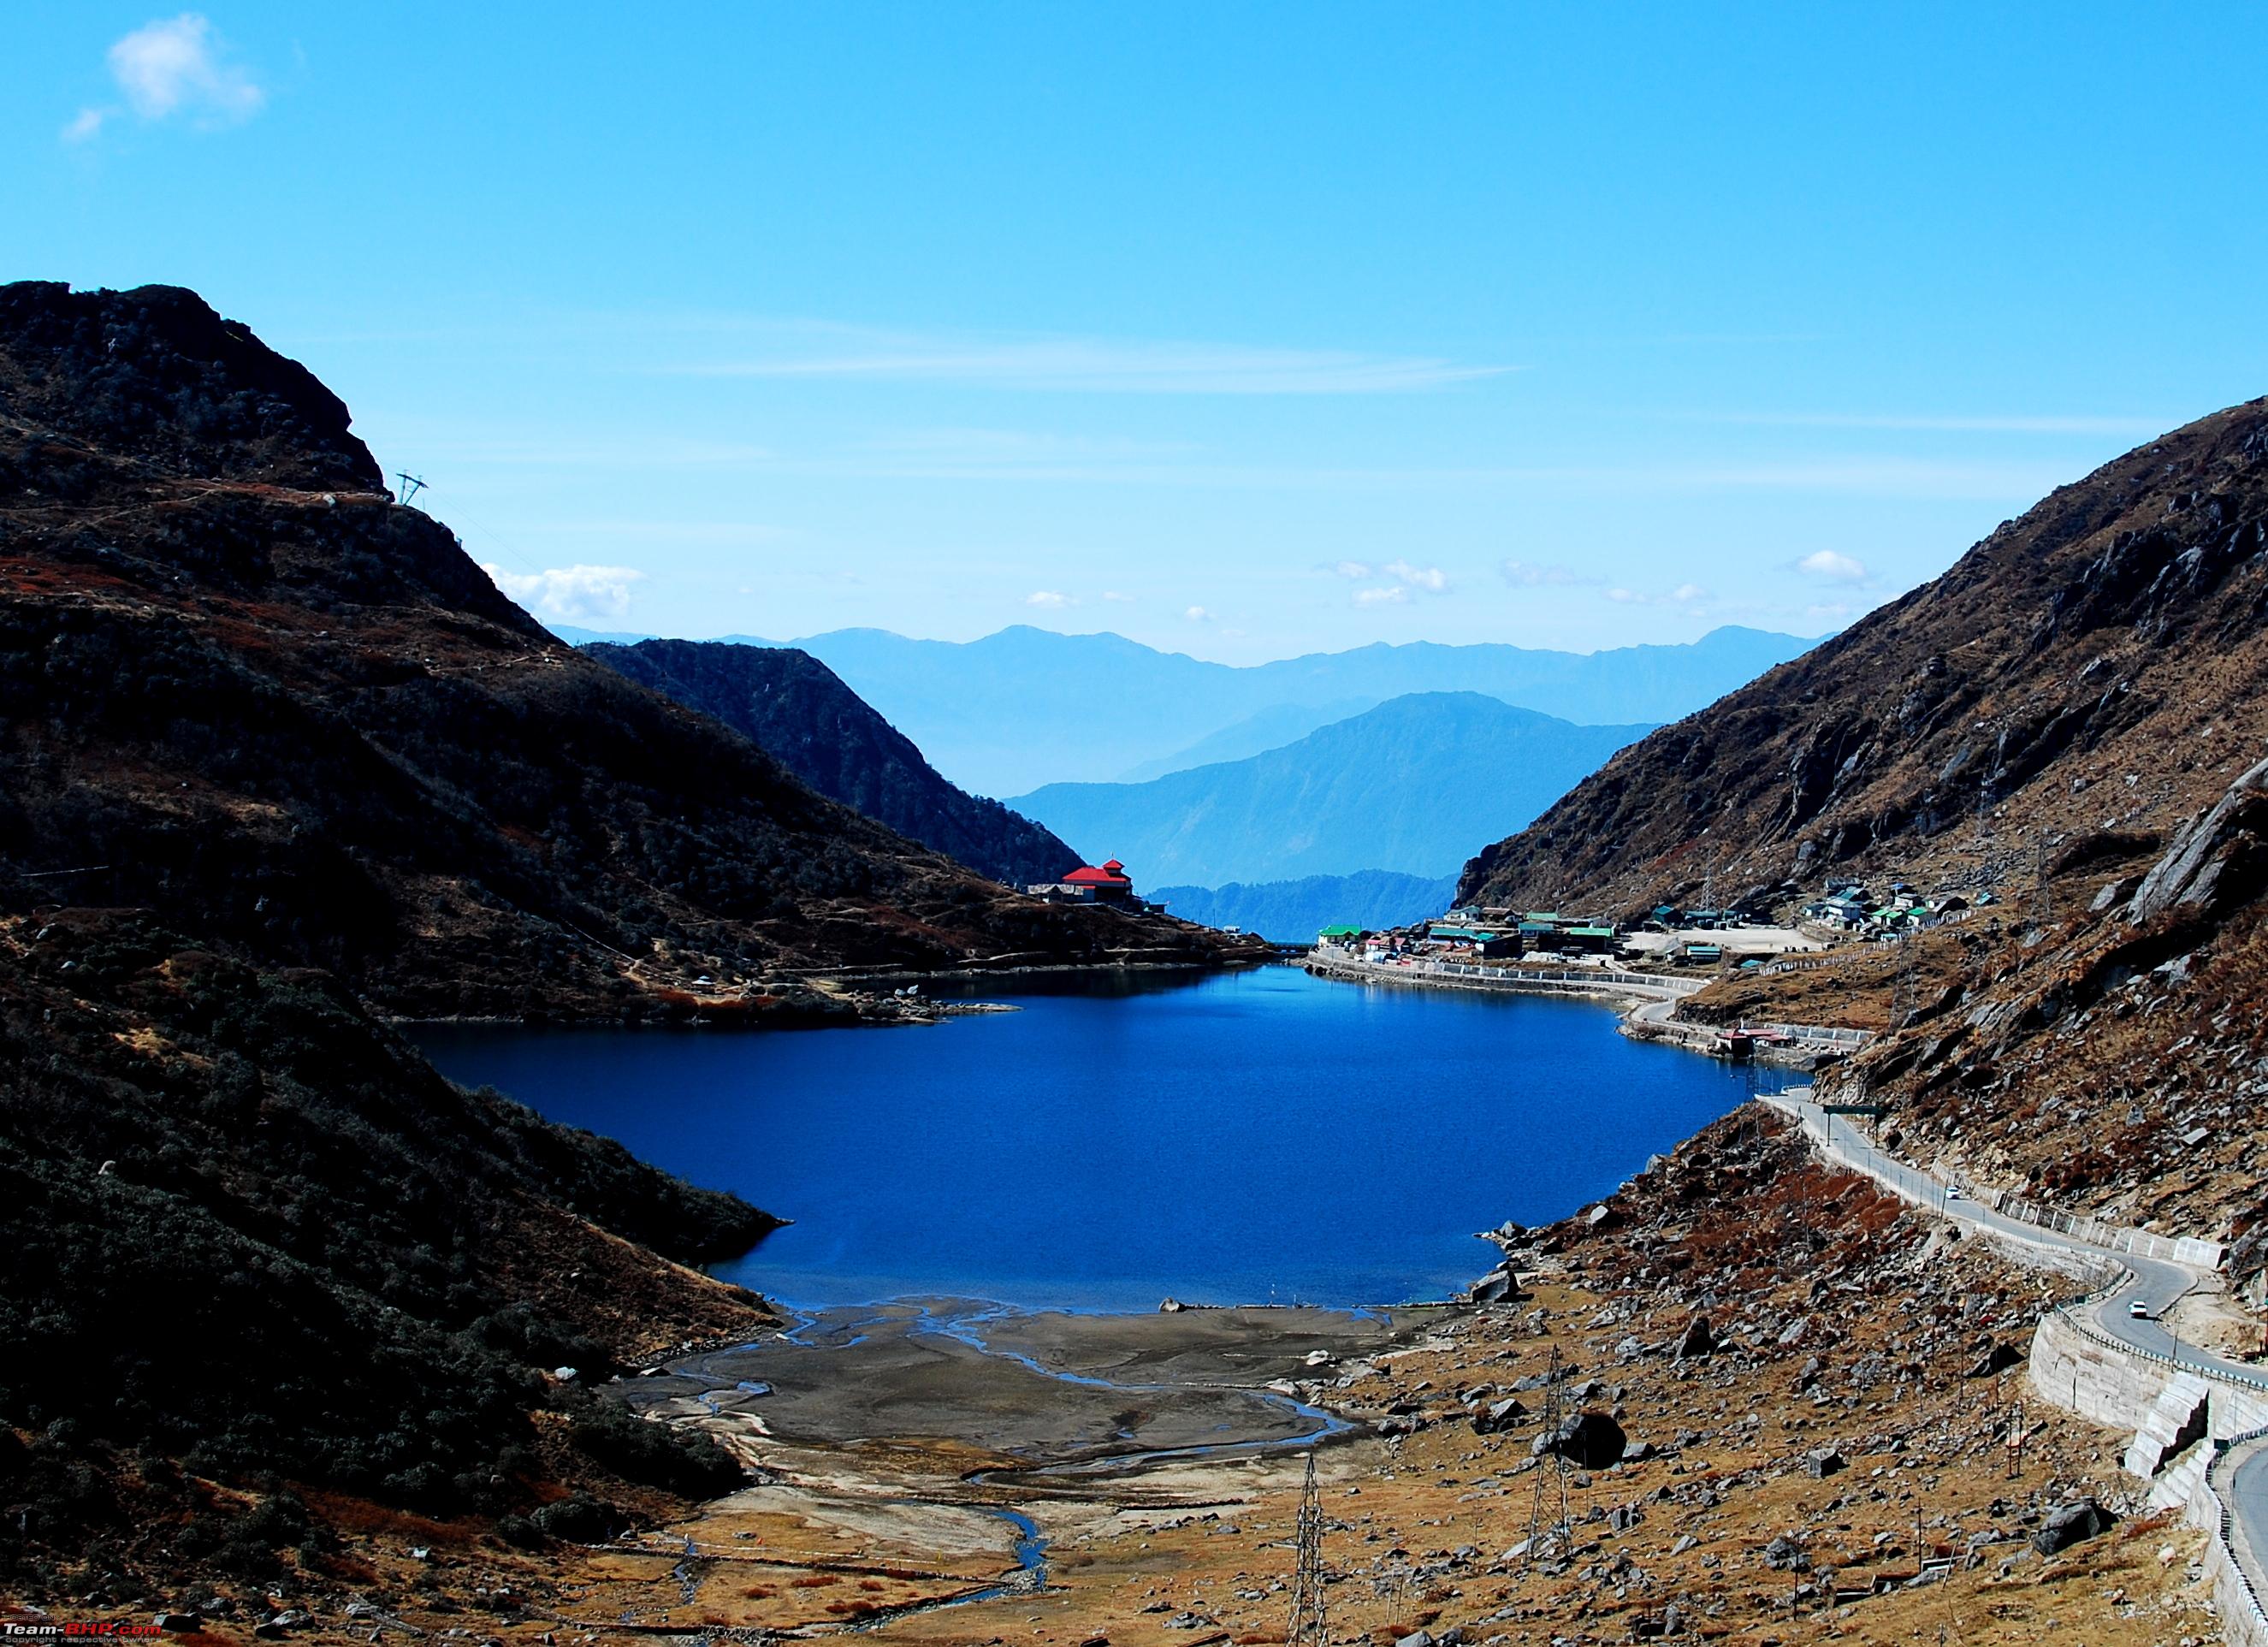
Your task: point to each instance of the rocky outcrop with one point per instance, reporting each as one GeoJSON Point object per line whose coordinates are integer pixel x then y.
{"type": "Point", "coordinates": [2218, 862]}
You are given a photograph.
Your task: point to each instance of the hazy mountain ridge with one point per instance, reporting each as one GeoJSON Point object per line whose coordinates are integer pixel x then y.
{"type": "Point", "coordinates": [799, 711]}
{"type": "Point", "coordinates": [1255, 734]}
{"type": "Point", "coordinates": [1294, 911]}
{"type": "Point", "coordinates": [2081, 699]}
{"type": "Point", "coordinates": [1400, 787]}
{"type": "Point", "coordinates": [1025, 706]}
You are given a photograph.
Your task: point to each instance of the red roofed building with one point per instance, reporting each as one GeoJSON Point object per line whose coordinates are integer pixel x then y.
{"type": "Point", "coordinates": [1110, 884]}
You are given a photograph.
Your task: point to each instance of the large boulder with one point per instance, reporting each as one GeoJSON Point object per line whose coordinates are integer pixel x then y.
{"type": "Point", "coordinates": [1590, 1441]}
{"type": "Point", "coordinates": [1495, 1287]}
{"type": "Point", "coordinates": [1998, 1357]}
{"type": "Point", "coordinates": [2069, 1523]}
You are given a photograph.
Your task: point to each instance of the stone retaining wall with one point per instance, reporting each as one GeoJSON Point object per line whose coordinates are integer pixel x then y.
{"type": "Point", "coordinates": [2075, 1372]}
{"type": "Point", "coordinates": [2243, 1622]}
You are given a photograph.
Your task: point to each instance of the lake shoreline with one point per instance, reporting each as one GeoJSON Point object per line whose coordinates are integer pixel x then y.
{"type": "Point", "coordinates": [1646, 1015]}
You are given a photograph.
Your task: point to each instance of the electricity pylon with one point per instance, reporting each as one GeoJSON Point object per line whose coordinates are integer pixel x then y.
{"type": "Point", "coordinates": [1309, 1608]}
{"type": "Point", "coordinates": [1550, 1474]}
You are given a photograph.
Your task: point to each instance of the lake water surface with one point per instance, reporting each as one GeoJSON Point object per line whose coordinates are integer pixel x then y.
{"type": "Point", "coordinates": [1250, 1137]}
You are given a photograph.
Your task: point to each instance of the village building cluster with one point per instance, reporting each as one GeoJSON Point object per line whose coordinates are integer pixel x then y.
{"type": "Point", "coordinates": [1743, 934]}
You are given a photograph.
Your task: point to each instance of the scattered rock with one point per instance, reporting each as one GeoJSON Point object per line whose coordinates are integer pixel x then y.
{"type": "Point", "coordinates": [1498, 1415]}
{"type": "Point", "coordinates": [1698, 1340]}
{"type": "Point", "coordinates": [1785, 1555]}
{"type": "Point", "coordinates": [1822, 1462]}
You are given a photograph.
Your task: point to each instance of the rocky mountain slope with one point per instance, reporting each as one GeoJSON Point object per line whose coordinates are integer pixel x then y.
{"type": "Point", "coordinates": [257, 1239]}
{"type": "Point", "coordinates": [240, 685]}
{"type": "Point", "coordinates": [1406, 787]}
{"type": "Point", "coordinates": [274, 753]}
{"type": "Point", "coordinates": [797, 710]}
{"type": "Point", "coordinates": [2074, 715]}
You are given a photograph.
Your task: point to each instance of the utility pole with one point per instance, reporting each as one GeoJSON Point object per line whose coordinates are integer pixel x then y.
{"type": "Point", "coordinates": [2016, 1442]}
{"type": "Point", "coordinates": [1308, 1627]}
{"type": "Point", "coordinates": [411, 485]}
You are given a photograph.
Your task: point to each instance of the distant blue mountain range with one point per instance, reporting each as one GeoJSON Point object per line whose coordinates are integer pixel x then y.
{"type": "Point", "coordinates": [1409, 786]}
{"type": "Point", "coordinates": [1294, 911]}
{"type": "Point", "coordinates": [1027, 707]}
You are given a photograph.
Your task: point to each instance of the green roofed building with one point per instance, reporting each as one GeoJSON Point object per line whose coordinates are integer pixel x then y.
{"type": "Point", "coordinates": [1340, 931]}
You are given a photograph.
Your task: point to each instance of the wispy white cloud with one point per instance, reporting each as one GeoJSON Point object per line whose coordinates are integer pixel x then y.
{"type": "Point", "coordinates": [1405, 576]}
{"type": "Point", "coordinates": [1197, 614]}
{"type": "Point", "coordinates": [1086, 364]}
{"type": "Point", "coordinates": [1688, 596]}
{"type": "Point", "coordinates": [174, 66]}
{"type": "Point", "coordinates": [1432, 579]}
{"type": "Point", "coordinates": [570, 591]}
{"type": "Point", "coordinates": [1546, 575]}
{"type": "Point", "coordinates": [1118, 598]}
{"type": "Point", "coordinates": [1051, 600]}
{"type": "Point", "coordinates": [1830, 567]}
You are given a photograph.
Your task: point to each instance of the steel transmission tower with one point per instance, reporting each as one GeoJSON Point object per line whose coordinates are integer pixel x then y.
{"type": "Point", "coordinates": [1551, 1476]}
{"type": "Point", "coordinates": [1309, 1606]}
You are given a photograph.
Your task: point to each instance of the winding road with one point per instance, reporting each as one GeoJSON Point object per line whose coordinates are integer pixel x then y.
{"type": "Point", "coordinates": [2155, 1283]}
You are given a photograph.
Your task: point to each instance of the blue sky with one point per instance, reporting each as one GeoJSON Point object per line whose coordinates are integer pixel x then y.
{"type": "Point", "coordinates": [1243, 330]}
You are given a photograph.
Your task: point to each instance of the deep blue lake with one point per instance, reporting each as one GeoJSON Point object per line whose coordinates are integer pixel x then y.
{"type": "Point", "coordinates": [1252, 1137]}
